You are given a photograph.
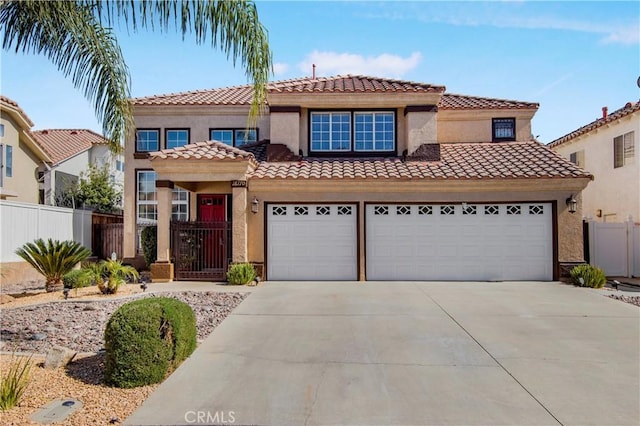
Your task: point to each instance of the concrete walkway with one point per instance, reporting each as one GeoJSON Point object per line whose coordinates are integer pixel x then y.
{"type": "Point", "coordinates": [412, 354]}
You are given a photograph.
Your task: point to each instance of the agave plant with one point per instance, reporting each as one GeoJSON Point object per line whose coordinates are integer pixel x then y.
{"type": "Point", "coordinates": [53, 259]}
{"type": "Point", "coordinates": [116, 274]}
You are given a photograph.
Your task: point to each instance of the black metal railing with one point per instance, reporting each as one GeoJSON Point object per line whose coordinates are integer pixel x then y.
{"type": "Point", "coordinates": [201, 250]}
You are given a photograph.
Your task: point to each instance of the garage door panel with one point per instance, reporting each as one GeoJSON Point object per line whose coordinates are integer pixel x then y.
{"type": "Point", "coordinates": [311, 242]}
{"type": "Point", "coordinates": [498, 242]}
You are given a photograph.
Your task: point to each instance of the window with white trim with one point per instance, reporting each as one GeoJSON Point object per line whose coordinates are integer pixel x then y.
{"type": "Point", "coordinates": [623, 150]}
{"type": "Point", "coordinates": [352, 131]}
{"type": "Point", "coordinates": [147, 200]}
{"type": "Point", "coordinates": [234, 137]}
{"type": "Point", "coordinates": [176, 138]}
{"type": "Point", "coordinates": [147, 140]}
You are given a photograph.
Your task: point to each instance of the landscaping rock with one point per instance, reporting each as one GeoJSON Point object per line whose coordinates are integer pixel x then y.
{"type": "Point", "coordinates": [5, 298]}
{"type": "Point", "coordinates": [58, 356]}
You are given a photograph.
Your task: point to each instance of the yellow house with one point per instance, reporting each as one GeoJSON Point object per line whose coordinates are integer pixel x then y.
{"type": "Point", "coordinates": [20, 155]}
{"type": "Point", "coordinates": [350, 178]}
{"type": "Point", "coordinates": [607, 147]}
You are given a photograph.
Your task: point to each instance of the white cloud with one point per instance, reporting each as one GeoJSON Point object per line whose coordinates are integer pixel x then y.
{"type": "Point", "coordinates": [629, 35]}
{"type": "Point", "coordinates": [333, 63]}
{"type": "Point", "coordinates": [280, 68]}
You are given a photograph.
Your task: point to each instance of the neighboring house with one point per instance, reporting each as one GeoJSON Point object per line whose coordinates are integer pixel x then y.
{"type": "Point", "coordinates": [71, 152]}
{"type": "Point", "coordinates": [350, 178]}
{"type": "Point", "coordinates": [608, 148]}
{"type": "Point", "coordinates": [20, 155]}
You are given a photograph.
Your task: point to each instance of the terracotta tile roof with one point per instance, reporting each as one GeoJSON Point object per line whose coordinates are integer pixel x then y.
{"type": "Point", "coordinates": [242, 95]}
{"type": "Point", "coordinates": [629, 108]}
{"type": "Point", "coordinates": [453, 101]}
{"type": "Point", "coordinates": [61, 144]}
{"type": "Point", "coordinates": [14, 105]}
{"type": "Point", "coordinates": [515, 160]}
{"type": "Point", "coordinates": [350, 83]}
{"type": "Point", "coordinates": [206, 151]}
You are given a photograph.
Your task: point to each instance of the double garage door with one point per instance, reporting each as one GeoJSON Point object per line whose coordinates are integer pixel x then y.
{"type": "Point", "coordinates": [414, 242]}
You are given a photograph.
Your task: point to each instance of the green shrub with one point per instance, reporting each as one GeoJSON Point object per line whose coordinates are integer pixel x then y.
{"type": "Point", "coordinates": [241, 274]}
{"type": "Point", "coordinates": [592, 276]}
{"type": "Point", "coordinates": [145, 340]}
{"type": "Point", "coordinates": [77, 278]}
{"type": "Point", "coordinates": [149, 241]}
{"type": "Point", "coordinates": [14, 382]}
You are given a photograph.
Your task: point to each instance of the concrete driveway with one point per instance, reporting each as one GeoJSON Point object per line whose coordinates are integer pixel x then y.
{"type": "Point", "coordinates": [525, 353]}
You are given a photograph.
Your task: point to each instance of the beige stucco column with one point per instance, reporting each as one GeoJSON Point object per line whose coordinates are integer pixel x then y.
{"type": "Point", "coordinates": [239, 224]}
{"type": "Point", "coordinates": [162, 270]}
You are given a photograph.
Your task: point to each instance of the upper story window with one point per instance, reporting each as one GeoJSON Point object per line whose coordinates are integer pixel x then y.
{"type": "Point", "coordinates": [8, 164]}
{"type": "Point", "coordinates": [120, 165]}
{"type": "Point", "coordinates": [504, 129]}
{"type": "Point", "coordinates": [352, 131]}
{"type": "Point", "coordinates": [577, 158]}
{"type": "Point", "coordinates": [623, 150]}
{"type": "Point", "coordinates": [234, 137]}
{"type": "Point", "coordinates": [176, 138]}
{"type": "Point", "coordinates": [1, 130]}
{"type": "Point", "coordinates": [147, 140]}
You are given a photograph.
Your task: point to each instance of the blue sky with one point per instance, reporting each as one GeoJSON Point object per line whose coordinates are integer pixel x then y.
{"type": "Point", "coordinates": [571, 57]}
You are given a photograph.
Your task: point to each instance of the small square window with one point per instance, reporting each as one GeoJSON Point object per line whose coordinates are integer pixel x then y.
{"type": "Point", "coordinates": [344, 210]}
{"type": "Point", "coordinates": [177, 138]}
{"type": "Point", "coordinates": [504, 129]}
{"type": "Point", "coordinates": [536, 209]}
{"type": "Point", "coordinates": [513, 210]}
{"type": "Point", "coordinates": [147, 140]}
{"type": "Point", "coordinates": [323, 211]}
{"type": "Point", "coordinates": [469, 210]}
{"type": "Point", "coordinates": [381, 210]}
{"type": "Point", "coordinates": [301, 211]}
{"type": "Point", "coordinates": [447, 210]}
{"type": "Point", "coordinates": [577, 158]}
{"type": "Point", "coordinates": [403, 210]}
{"type": "Point", "coordinates": [491, 210]}
{"type": "Point", "coordinates": [279, 210]}
{"type": "Point", "coordinates": [425, 210]}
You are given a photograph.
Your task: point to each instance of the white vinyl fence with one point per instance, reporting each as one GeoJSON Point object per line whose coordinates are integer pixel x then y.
{"type": "Point", "coordinates": [25, 222]}
{"type": "Point", "coordinates": [615, 247]}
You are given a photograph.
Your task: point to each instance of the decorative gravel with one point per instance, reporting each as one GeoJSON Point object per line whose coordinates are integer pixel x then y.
{"type": "Point", "coordinates": [634, 300]}
{"type": "Point", "coordinates": [79, 325]}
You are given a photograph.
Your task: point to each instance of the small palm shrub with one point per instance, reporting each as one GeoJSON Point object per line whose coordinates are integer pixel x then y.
{"type": "Point", "coordinates": [241, 274]}
{"type": "Point", "coordinates": [53, 259]}
{"type": "Point", "coordinates": [14, 382]}
{"type": "Point", "coordinates": [145, 340]}
{"type": "Point", "coordinates": [115, 274]}
{"type": "Point", "coordinates": [149, 242]}
{"type": "Point", "coordinates": [77, 278]}
{"type": "Point", "coordinates": [592, 276]}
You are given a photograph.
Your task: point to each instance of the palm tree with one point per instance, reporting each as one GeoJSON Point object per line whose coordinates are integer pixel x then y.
{"type": "Point", "coordinates": [53, 259]}
{"type": "Point", "coordinates": [76, 36]}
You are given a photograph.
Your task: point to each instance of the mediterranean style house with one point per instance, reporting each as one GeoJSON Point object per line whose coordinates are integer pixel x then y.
{"type": "Point", "coordinates": [350, 178]}
{"type": "Point", "coordinates": [71, 152]}
{"type": "Point", "coordinates": [20, 154]}
{"type": "Point", "coordinates": [607, 147]}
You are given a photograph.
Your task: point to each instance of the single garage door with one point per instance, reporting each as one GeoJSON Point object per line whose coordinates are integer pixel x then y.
{"type": "Point", "coordinates": [312, 242]}
{"type": "Point", "coordinates": [476, 242]}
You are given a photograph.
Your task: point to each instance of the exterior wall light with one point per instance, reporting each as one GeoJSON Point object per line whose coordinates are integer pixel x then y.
{"type": "Point", "coordinates": [572, 204]}
{"type": "Point", "coordinates": [255, 205]}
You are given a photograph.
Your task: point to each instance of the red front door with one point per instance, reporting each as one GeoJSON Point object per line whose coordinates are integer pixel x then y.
{"type": "Point", "coordinates": [212, 208]}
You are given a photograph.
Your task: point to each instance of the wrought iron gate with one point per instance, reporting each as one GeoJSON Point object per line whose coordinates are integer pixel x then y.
{"type": "Point", "coordinates": [201, 250]}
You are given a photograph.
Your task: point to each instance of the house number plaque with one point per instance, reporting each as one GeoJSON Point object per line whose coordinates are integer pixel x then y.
{"type": "Point", "coordinates": [238, 183]}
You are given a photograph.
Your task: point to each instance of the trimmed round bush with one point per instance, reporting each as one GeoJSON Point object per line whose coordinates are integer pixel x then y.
{"type": "Point", "coordinates": [591, 276]}
{"type": "Point", "coordinates": [145, 340]}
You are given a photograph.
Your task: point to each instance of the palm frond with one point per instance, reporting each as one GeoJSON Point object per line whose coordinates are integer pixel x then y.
{"type": "Point", "coordinates": [72, 37]}
{"type": "Point", "coordinates": [231, 25]}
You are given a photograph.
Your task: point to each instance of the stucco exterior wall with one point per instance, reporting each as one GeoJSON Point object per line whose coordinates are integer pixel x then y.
{"type": "Point", "coordinates": [614, 191]}
{"type": "Point", "coordinates": [73, 166]}
{"type": "Point", "coordinates": [24, 181]}
{"type": "Point", "coordinates": [476, 125]}
{"type": "Point", "coordinates": [285, 129]}
{"type": "Point", "coordinates": [422, 127]}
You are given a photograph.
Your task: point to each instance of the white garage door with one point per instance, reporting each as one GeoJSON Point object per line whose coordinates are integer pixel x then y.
{"type": "Point", "coordinates": [312, 242]}
{"type": "Point", "coordinates": [480, 242]}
